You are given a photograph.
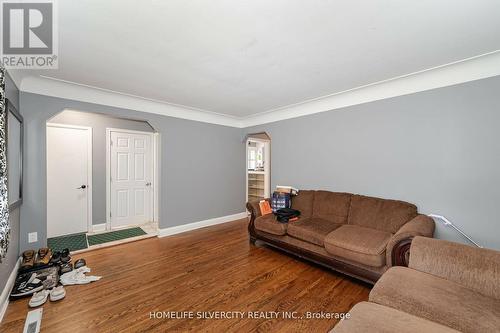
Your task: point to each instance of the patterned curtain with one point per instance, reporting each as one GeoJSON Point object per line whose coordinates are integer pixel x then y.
{"type": "Point", "coordinates": [4, 205]}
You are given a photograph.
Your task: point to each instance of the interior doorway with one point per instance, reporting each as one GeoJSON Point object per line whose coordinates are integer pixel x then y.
{"type": "Point", "coordinates": [102, 176]}
{"type": "Point", "coordinates": [258, 167]}
{"type": "Point", "coordinates": [69, 175]}
{"type": "Point", "coordinates": [130, 185]}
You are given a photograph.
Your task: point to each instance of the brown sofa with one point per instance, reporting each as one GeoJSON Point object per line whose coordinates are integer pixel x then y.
{"type": "Point", "coordinates": [357, 235]}
{"type": "Point", "coordinates": [448, 287]}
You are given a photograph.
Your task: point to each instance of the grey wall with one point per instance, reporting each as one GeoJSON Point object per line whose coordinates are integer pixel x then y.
{"type": "Point", "coordinates": [8, 263]}
{"type": "Point", "coordinates": [202, 165]}
{"type": "Point", "coordinates": [99, 123]}
{"type": "Point", "coordinates": [439, 149]}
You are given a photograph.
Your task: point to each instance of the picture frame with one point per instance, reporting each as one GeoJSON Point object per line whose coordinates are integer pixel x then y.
{"type": "Point", "coordinates": [15, 149]}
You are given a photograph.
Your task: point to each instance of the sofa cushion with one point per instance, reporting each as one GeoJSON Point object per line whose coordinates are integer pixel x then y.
{"type": "Point", "coordinates": [303, 202]}
{"type": "Point", "coordinates": [474, 268]}
{"type": "Point", "coordinates": [380, 214]}
{"type": "Point", "coordinates": [363, 245]}
{"type": "Point", "coordinates": [436, 299]}
{"type": "Point", "coordinates": [371, 317]}
{"type": "Point", "coordinates": [269, 224]}
{"type": "Point", "coordinates": [331, 206]}
{"type": "Point", "coordinates": [312, 230]}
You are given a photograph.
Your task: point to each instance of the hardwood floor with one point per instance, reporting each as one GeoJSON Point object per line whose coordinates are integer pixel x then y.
{"type": "Point", "coordinates": [210, 269]}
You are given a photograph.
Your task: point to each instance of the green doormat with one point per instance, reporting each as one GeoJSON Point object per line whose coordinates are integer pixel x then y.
{"type": "Point", "coordinates": [115, 235]}
{"type": "Point", "coordinates": [72, 242]}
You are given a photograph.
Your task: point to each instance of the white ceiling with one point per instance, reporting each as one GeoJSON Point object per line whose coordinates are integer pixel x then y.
{"type": "Point", "coordinates": [240, 58]}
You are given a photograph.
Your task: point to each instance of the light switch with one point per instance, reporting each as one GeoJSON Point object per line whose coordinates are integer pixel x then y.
{"type": "Point", "coordinates": [32, 237]}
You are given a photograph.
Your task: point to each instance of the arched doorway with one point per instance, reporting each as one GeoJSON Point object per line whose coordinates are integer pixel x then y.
{"type": "Point", "coordinates": [258, 166]}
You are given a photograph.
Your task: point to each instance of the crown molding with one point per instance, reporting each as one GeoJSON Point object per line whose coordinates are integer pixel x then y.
{"type": "Point", "coordinates": [43, 85]}
{"type": "Point", "coordinates": [470, 69]}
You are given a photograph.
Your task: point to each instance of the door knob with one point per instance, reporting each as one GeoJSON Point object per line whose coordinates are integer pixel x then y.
{"type": "Point", "coordinates": [148, 184]}
{"type": "Point", "coordinates": [82, 187]}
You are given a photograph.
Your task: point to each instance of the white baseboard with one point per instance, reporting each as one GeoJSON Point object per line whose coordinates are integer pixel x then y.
{"type": "Point", "coordinates": [4, 297]}
{"type": "Point", "coordinates": [99, 227]}
{"type": "Point", "coordinates": [201, 224]}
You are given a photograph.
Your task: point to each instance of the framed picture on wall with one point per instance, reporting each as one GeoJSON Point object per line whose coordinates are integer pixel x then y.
{"type": "Point", "coordinates": [15, 133]}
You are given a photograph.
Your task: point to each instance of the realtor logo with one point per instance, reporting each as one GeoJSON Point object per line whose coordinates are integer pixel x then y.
{"type": "Point", "coordinates": [29, 35]}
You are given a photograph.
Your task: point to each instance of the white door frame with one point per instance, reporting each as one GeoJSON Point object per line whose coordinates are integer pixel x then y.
{"type": "Point", "coordinates": [267, 165]}
{"type": "Point", "coordinates": [155, 140]}
{"type": "Point", "coordinates": [90, 185]}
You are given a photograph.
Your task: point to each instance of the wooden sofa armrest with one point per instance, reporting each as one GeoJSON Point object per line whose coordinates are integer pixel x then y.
{"type": "Point", "coordinates": [398, 248]}
{"type": "Point", "coordinates": [254, 209]}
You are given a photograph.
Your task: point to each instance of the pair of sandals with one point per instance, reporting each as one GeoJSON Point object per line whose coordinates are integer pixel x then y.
{"type": "Point", "coordinates": [39, 298]}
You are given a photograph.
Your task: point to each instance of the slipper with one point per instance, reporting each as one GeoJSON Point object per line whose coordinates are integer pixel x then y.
{"type": "Point", "coordinates": [38, 298]}
{"type": "Point", "coordinates": [80, 263]}
{"type": "Point", "coordinates": [57, 293]}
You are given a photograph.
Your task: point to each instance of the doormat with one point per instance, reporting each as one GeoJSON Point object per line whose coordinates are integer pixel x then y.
{"type": "Point", "coordinates": [72, 242]}
{"type": "Point", "coordinates": [115, 235]}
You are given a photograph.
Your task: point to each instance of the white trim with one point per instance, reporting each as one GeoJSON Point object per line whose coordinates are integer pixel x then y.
{"type": "Point", "coordinates": [99, 227]}
{"type": "Point", "coordinates": [156, 175]}
{"type": "Point", "coordinates": [4, 297]}
{"type": "Point", "coordinates": [246, 169]}
{"type": "Point", "coordinates": [155, 196]}
{"type": "Point", "coordinates": [90, 185]}
{"type": "Point", "coordinates": [48, 86]}
{"type": "Point", "coordinates": [465, 70]}
{"type": "Point", "coordinates": [200, 224]}
{"type": "Point", "coordinates": [470, 69]}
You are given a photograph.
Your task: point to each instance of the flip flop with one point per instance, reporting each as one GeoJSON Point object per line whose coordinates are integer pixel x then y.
{"type": "Point", "coordinates": [57, 293]}
{"type": "Point", "coordinates": [38, 298]}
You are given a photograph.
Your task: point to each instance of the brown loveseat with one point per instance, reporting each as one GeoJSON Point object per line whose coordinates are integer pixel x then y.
{"type": "Point", "coordinates": [357, 235]}
{"type": "Point", "coordinates": [447, 287]}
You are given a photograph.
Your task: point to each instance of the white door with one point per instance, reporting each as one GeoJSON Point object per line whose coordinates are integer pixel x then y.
{"type": "Point", "coordinates": [69, 152]}
{"type": "Point", "coordinates": [131, 178]}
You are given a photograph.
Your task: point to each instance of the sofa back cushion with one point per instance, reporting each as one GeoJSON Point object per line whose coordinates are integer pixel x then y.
{"type": "Point", "coordinates": [304, 203]}
{"type": "Point", "coordinates": [472, 267]}
{"type": "Point", "coordinates": [331, 206]}
{"type": "Point", "coordinates": [380, 214]}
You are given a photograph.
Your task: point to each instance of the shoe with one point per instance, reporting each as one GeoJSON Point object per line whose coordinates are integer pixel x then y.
{"type": "Point", "coordinates": [65, 256]}
{"type": "Point", "coordinates": [26, 285]}
{"type": "Point", "coordinates": [43, 256]}
{"type": "Point", "coordinates": [38, 298]}
{"type": "Point", "coordinates": [28, 259]}
{"type": "Point", "coordinates": [65, 268]}
{"type": "Point", "coordinates": [56, 257]}
{"type": "Point", "coordinates": [80, 263]}
{"type": "Point", "coordinates": [57, 293]}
